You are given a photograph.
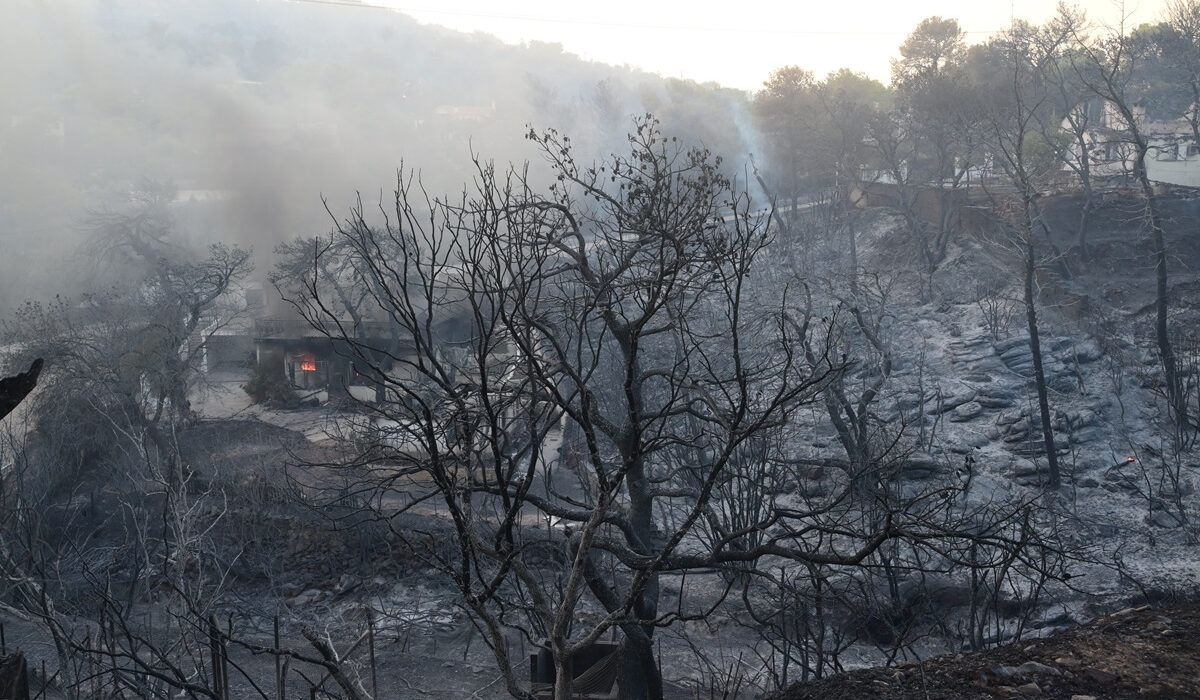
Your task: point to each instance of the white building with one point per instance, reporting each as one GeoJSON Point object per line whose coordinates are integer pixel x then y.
{"type": "Point", "coordinates": [1173, 157]}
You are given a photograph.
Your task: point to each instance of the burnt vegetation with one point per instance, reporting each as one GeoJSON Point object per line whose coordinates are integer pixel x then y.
{"type": "Point", "coordinates": [636, 417]}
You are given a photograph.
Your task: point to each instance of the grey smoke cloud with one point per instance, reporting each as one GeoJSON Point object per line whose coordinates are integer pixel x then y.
{"type": "Point", "coordinates": [255, 111]}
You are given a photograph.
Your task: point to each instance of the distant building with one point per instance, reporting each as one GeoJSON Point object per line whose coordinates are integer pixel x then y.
{"type": "Point", "coordinates": [465, 113]}
{"type": "Point", "coordinates": [1173, 158]}
{"type": "Point", "coordinates": [313, 359]}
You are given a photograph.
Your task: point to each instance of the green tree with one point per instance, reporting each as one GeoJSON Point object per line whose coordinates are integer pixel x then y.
{"type": "Point", "coordinates": [850, 102]}
{"type": "Point", "coordinates": [935, 47]}
{"type": "Point", "coordinates": [788, 113]}
{"type": "Point", "coordinates": [940, 112]}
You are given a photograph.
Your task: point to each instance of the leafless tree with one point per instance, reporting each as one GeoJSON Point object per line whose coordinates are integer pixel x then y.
{"type": "Point", "coordinates": [595, 386]}
{"type": "Point", "coordinates": [115, 401]}
{"type": "Point", "coordinates": [1013, 112]}
{"type": "Point", "coordinates": [1067, 127]}
{"type": "Point", "coordinates": [1106, 70]}
{"type": "Point", "coordinates": [851, 403]}
{"type": "Point", "coordinates": [618, 309]}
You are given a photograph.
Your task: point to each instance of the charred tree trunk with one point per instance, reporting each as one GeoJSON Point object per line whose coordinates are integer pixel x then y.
{"type": "Point", "coordinates": [1035, 347]}
{"type": "Point", "coordinates": [1111, 86]}
{"type": "Point", "coordinates": [640, 671]}
{"type": "Point", "coordinates": [642, 679]}
{"type": "Point", "coordinates": [1085, 214]}
{"type": "Point", "coordinates": [849, 217]}
{"type": "Point", "coordinates": [1176, 400]}
{"type": "Point", "coordinates": [14, 677]}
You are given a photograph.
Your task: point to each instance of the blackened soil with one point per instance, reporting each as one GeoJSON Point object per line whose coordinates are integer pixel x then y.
{"type": "Point", "coordinates": [1136, 653]}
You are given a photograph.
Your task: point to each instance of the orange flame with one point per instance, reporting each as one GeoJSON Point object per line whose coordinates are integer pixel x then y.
{"type": "Point", "coordinates": [308, 365]}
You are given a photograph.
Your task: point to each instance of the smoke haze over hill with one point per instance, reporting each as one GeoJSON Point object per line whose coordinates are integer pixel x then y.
{"type": "Point", "coordinates": [254, 112]}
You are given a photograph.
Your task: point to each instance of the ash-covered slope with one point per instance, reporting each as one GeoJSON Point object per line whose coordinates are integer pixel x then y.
{"type": "Point", "coordinates": [958, 409]}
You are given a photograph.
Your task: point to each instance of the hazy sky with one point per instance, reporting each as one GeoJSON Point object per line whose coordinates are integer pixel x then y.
{"type": "Point", "coordinates": [739, 43]}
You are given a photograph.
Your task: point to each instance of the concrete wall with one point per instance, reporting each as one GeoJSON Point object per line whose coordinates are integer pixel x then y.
{"type": "Point", "coordinates": [1169, 163]}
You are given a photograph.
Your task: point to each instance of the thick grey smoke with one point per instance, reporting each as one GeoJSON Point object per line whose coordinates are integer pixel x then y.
{"type": "Point", "coordinates": [255, 111]}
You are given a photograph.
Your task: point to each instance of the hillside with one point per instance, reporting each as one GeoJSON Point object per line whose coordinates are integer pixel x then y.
{"type": "Point", "coordinates": [1133, 653]}
{"type": "Point", "coordinates": [330, 518]}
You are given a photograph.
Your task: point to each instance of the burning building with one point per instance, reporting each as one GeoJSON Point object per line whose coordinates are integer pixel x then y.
{"type": "Point", "coordinates": [314, 359]}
